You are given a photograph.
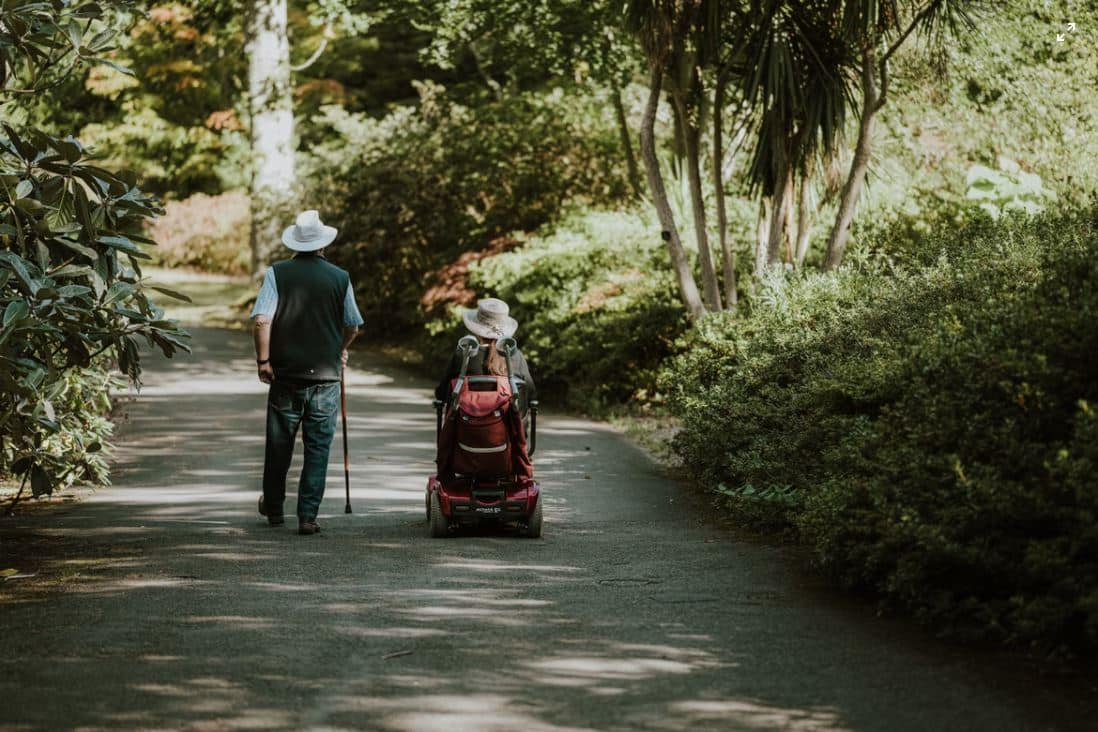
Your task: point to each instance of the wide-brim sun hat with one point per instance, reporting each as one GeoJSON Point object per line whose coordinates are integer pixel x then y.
{"type": "Point", "coordinates": [309, 233]}
{"type": "Point", "coordinates": [490, 319]}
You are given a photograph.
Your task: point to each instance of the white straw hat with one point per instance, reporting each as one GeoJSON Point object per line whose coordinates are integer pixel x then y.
{"type": "Point", "coordinates": [308, 234]}
{"type": "Point", "coordinates": [490, 319]}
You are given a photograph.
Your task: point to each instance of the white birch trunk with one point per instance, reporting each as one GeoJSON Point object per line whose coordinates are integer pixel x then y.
{"type": "Point", "coordinates": [270, 103]}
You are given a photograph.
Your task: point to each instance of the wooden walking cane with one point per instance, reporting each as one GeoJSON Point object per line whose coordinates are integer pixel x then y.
{"type": "Point", "coordinates": [346, 459]}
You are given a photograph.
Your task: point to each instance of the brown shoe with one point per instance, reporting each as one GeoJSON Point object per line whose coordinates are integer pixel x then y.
{"type": "Point", "coordinates": [272, 519]}
{"type": "Point", "coordinates": [307, 527]}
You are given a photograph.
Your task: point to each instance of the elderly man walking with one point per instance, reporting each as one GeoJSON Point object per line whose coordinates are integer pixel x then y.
{"type": "Point", "coordinates": [305, 318]}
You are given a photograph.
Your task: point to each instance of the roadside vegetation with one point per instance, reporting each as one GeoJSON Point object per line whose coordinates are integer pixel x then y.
{"type": "Point", "coordinates": [74, 305]}
{"type": "Point", "coordinates": [928, 429]}
{"type": "Point", "coordinates": [845, 248]}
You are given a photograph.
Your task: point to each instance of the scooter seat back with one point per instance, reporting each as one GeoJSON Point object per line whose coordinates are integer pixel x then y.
{"type": "Point", "coordinates": [484, 395]}
{"type": "Point", "coordinates": [483, 445]}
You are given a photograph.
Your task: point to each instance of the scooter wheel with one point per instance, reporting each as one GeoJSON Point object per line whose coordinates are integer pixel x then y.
{"type": "Point", "coordinates": [440, 527]}
{"type": "Point", "coordinates": [533, 524]}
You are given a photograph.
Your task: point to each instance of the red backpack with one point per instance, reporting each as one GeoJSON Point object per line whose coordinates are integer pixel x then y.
{"type": "Point", "coordinates": [485, 439]}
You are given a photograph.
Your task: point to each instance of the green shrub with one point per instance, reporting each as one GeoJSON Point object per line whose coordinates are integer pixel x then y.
{"type": "Point", "coordinates": [74, 450]}
{"type": "Point", "coordinates": [929, 432]}
{"type": "Point", "coordinates": [412, 191]}
{"type": "Point", "coordinates": [210, 233]}
{"type": "Point", "coordinates": [596, 302]}
{"type": "Point", "coordinates": [73, 301]}
{"type": "Point", "coordinates": [1007, 189]}
{"type": "Point", "coordinates": [172, 159]}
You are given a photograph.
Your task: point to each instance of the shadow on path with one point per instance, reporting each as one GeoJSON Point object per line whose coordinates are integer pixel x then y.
{"type": "Point", "coordinates": [180, 608]}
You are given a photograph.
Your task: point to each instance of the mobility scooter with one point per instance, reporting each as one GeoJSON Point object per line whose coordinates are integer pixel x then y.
{"type": "Point", "coordinates": [484, 469]}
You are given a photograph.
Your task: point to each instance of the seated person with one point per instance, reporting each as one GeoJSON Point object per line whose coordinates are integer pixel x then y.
{"type": "Point", "coordinates": [489, 322]}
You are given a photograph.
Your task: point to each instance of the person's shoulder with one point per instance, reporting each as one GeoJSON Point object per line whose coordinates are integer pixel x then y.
{"type": "Point", "coordinates": [336, 269]}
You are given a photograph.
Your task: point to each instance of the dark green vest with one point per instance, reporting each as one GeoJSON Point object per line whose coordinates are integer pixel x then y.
{"type": "Point", "coordinates": [307, 330]}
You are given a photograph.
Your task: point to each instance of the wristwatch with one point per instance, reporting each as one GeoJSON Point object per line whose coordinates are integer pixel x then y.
{"type": "Point", "coordinates": [264, 361]}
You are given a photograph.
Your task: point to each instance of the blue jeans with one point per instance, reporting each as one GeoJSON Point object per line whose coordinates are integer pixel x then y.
{"type": "Point", "coordinates": [314, 407]}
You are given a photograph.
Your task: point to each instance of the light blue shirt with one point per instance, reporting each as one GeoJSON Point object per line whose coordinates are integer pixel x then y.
{"type": "Point", "coordinates": [267, 302]}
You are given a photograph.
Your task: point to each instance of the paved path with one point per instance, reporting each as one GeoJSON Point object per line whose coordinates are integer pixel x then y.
{"type": "Point", "coordinates": [181, 609]}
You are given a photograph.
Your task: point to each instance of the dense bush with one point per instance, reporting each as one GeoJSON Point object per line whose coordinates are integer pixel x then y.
{"type": "Point", "coordinates": [1006, 93]}
{"type": "Point", "coordinates": [210, 233]}
{"type": "Point", "coordinates": [174, 160]}
{"type": "Point", "coordinates": [73, 301]}
{"type": "Point", "coordinates": [596, 301]}
{"type": "Point", "coordinates": [412, 191]}
{"type": "Point", "coordinates": [931, 433]}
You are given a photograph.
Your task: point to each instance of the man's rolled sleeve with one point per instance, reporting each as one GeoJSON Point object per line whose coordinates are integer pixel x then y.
{"type": "Point", "coordinates": [266, 303]}
{"type": "Point", "coordinates": [352, 318]}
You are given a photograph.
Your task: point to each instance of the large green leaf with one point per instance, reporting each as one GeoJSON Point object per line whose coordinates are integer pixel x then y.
{"type": "Point", "coordinates": [21, 268]}
{"type": "Point", "coordinates": [71, 150]}
{"type": "Point", "coordinates": [83, 210]}
{"type": "Point", "coordinates": [123, 244]}
{"type": "Point", "coordinates": [80, 248]}
{"type": "Point", "coordinates": [16, 310]}
{"type": "Point", "coordinates": [29, 205]}
{"type": "Point", "coordinates": [114, 65]}
{"type": "Point", "coordinates": [70, 291]}
{"type": "Point", "coordinates": [71, 270]}
{"type": "Point", "coordinates": [169, 292]}
{"type": "Point", "coordinates": [118, 291]}
{"type": "Point", "coordinates": [24, 150]}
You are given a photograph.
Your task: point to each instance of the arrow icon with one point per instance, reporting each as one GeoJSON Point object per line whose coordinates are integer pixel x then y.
{"type": "Point", "coordinates": [1071, 27]}
{"type": "Point", "coordinates": [1059, 37]}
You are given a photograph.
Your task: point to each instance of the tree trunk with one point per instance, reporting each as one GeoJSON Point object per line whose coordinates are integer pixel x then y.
{"type": "Point", "coordinates": [678, 144]}
{"type": "Point", "coordinates": [679, 262]}
{"type": "Point", "coordinates": [493, 85]}
{"type": "Point", "coordinates": [804, 220]}
{"type": "Point", "coordinates": [787, 220]}
{"type": "Point", "coordinates": [728, 258]}
{"type": "Point", "coordinates": [780, 213]}
{"type": "Point", "coordinates": [272, 126]}
{"type": "Point", "coordinates": [626, 139]}
{"type": "Point", "coordinates": [711, 290]}
{"type": "Point", "coordinates": [762, 238]}
{"type": "Point", "coordinates": [840, 232]}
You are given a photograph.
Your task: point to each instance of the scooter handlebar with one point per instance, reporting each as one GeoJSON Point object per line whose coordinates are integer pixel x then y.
{"type": "Point", "coordinates": [468, 345]}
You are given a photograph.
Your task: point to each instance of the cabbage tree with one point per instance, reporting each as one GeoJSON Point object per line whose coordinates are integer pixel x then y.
{"type": "Point", "coordinates": [875, 31]}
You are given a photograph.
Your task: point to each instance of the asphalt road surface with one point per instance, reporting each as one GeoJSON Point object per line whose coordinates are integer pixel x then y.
{"type": "Point", "coordinates": [174, 606]}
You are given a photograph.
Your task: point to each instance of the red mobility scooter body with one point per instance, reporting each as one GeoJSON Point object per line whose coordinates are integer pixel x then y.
{"type": "Point", "coordinates": [485, 474]}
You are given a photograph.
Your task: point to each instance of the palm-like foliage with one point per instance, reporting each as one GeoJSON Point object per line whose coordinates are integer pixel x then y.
{"type": "Point", "coordinates": [875, 31]}
{"type": "Point", "coordinates": [803, 68]}
{"type": "Point", "coordinates": [807, 65]}
{"type": "Point", "coordinates": [797, 74]}
{"type": "Point", "coordinates": [663, 27]}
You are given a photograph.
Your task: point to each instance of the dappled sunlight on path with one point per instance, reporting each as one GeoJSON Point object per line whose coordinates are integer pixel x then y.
{"type": "Point", "coordinates": [181, 608]}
